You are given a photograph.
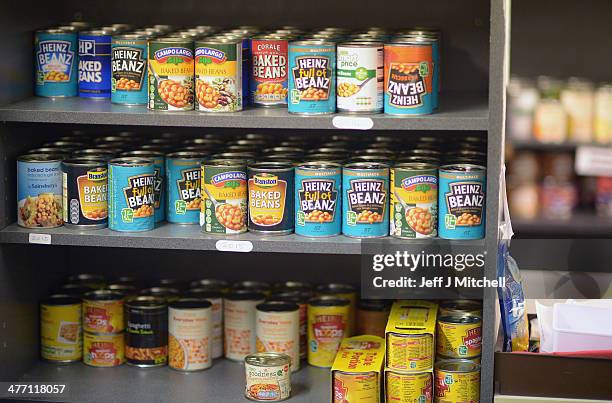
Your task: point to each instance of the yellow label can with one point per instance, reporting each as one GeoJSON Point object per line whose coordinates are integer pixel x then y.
{"type": "Point", "coordinates": [457, 381]}
{"type": "Point", "coordinates": [328, 321]}
{"type": "Point", "coordinates": [410, 352]}
{"type": "Point", "coordinates": [408, 387]}
{"type": "Point", "coordinates": [103, 350]}
{"type": "Point", "coordinates": [342, 291]}
{"type": "Point", "coordinates": [103, 312]}
{"type": "Point", "coordinates": [60, 329]}
{"type": "Point", "coordinates": [356, 387]}
{"type": "Point", "coordinates": [459, 336]}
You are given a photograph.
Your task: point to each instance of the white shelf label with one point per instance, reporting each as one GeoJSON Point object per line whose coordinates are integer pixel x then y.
{"type": "Point", "coordinates": [593, 161]}
{"type": "Point", "coordinates": [44, 239]}
{"type": "Point", "coordinates": [225, 245]}
{"type": "Point", "coordinates": [352, 122]}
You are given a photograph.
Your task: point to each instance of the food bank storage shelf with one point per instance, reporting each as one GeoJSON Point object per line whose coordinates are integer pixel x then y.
{"type": "Point", "coordinates": [224, 382]}
{"type": "Point", "coordinates": [458, 111]}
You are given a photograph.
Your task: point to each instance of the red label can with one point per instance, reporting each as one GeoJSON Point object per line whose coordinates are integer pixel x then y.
{"type": "Point", "coordinates": [268, 84]}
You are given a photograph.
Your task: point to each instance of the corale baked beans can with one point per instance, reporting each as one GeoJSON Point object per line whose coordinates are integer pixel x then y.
{"type": "Point", "coordinates": [131, 195]}
{"type": "Point", "coordinates": [365, 199]}
{"type": "Point", "coordinates": [270, 188]}
{"type": "Point", "coordinates": [39, 191]}
{"type": "Point", "coordinates": [215, 297]}
{"type": "Point", "coordinates": [268, 84]}
{"type": "Point", "coordinates": [341, 291]}
{"type": "Point", "coordinates": [360, 77]}
{"type": "Point", "coordinates": [85, 193]}
{"type": "Point", "coordinates": [355, 387]}
{"type": "Point", "coordinates": [218, 74]}
{"type": "Point", "coordinates": [183, 170]}
{"type": "Point", "coordinates": [268, 377]}
{"type": "Point", "coordinates": [95, 64]}
{"type": "Point", "coordinates": [103, 312]}
{"type": "Point", "coordinates": [409, 75]}
{"type": "Point", "coordinates": [301, 298]}
{"type": "Point", "coordinates": [461, 306]}
{"type": "Point", "coordinates": [456, 381]}
{"type": "Point", "coordinates": [190, 335]}
{"type": "Point", "coordinates": [103, 350]}
{"type": "Point", "coordinates": [146, 334]}
{"type": "Point", "coordinates": [461, 201]}
{"type": "Point", "coordinates": [414, 200]}
{"type": "Point", "coordinates": [312, 81]}
{"type": "Point", "coordinates": [171, 74]}
{"type": "Point", "coordinates": [317, 199]}
{"type": "Point", "coordinates": [60, 329]}
{"type": "Point", "coordinates": [371, 317]}
{"type": "Point", "coordinates": [459, 336]}
{"type": "Point", "coordinates": [410, 352]}
{"type": "Point", "coordinates": [239, 323]}
{"type": "Point", "coordinates": [129, 80]}
{"type": "Point", "coordinates": [277, 328]}
{"type": "Point", "coordinates": [56, 63]}
{"type": "Point", "coordinates": [159, 183]}
{"type": "Point", "coordinates": [224, 193]}
{"type": "Point", "coordinates": [328, 324]}
{"type": "Point", "coordinates": [408, 386]}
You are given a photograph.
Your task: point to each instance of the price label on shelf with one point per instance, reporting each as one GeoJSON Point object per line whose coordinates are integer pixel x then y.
{"type": "Point", "coordinates": [43, 239]}
{"type": "Point", "coordinates": [593, 161]}
{"type": "Point", "coordinates": [225, 245]}
{"type": "Point", "coordinates": [352, 122]}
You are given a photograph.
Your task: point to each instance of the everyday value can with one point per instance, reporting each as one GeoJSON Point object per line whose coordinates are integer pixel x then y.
{"type": "Point", "coordinates": [183, 170]}
{"type": "Point", "coordinates": [239, 323]}
{"type": "Point", "coordinates": [277, 328]}
{"type": "Point", "coordinates": [129, 69]}
{"type": "Point", "coordinates": [56, 51]}
{"type": "Point", "coordinates": [360, 77]}
{"type": "Point", "coordinates": [270, 195]}
{"type": "Point", "coordinates": [269, 72]}
{"type": "Point", "coordinates": [215, 297]}
{"type": "Point", "coordinates": [95, 64]}
{"type": "Point", "coordinates": [146, 334]}
{"type": "Point", "coordinates": [456, 381]}
{"type": "Point", "coordinates": [39, 191]}
{"type": "Point", "coordinates": [190, 334]}
{"type": "Point", "coordinates": [60, 329]}
{"type": "Point", "coordinates": [85, 193]}
{"type": "Point", "coordinates": [328, 324]}
{"type": "Point", "coordinates": [159, 181]}
{"type": "Point", "coordinates": [268, 377]}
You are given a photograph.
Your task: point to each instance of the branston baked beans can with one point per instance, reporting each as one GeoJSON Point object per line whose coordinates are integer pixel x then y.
{"type": "Point", "coordinates": [457, 381]}
{"type": "Point", "coordinates": [190, 334]}
{"type": "Point", "coordinates": [95, 64]}
{"type": "Point", "coordinates": [459, 336]}
{"type": "Point", "coordinates": [268, 377]}
{"type": "Point", "coordinates": [215, 297]}
{"type": "Point", "coordinates": [270, 189]}
{"type": "Point", "coordinates": [317, 202]}
{"type": "Point", "coordinates": [277, 327]}
{"type": "Point", "coordinates": [224, 192]}
{"type": "Point", "coordinates": [371, 317]}
{"type": "Point", "coordinates": [103, 350]}
{"type": "Point", "coordinates": [129, 69]}
{"type": "Point", "coordinates": [342, 291]}
{"type": "Point", "coordinates": [239, 322]}
{"type": "Point", "coordinates": [410, 352]}
{"type": "Point", "coordinates": [268, 84]}
{"type": "Point", "coordinates": [171, 73]}
{"type": "Point", "coordinates": [408, 387]}
{"type": "Point", "coordinates": [60, 329]}
{"type": "Point", "coordinates": [39, 191]}
{"type": "Point", "coordinates": [414, 200]}
{"type": "Point", "coordinates": [183, 170]}
{"type": "Point", "coordinates": [159, 183]}
{"type": "Point", "coordinates": [85, 193]}
{"type": "Point", "coordinates": [360, 77]}
{"type": "Point", "coordinates": [218, 73]}
{"type": "Point", "coordinates": [103, 312]}
{"type": "Point", "coordinates": [299, 297]}
{"type": "Point", "coordinates": [328, 324]}
{"type": "Point", "coordinates": [131, 197]}
{"type": "Point", "coordinates": [56, 63]}
{"type": "Point", "coordinates": [461, 200]}
{"type": "Point", "coordinates": [365, 199]}
{"type": "Point", "coordinates": [146, 335]}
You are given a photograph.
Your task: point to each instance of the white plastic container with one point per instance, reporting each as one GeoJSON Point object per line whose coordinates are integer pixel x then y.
{"type": "Point", "coordinates": [580, 327]}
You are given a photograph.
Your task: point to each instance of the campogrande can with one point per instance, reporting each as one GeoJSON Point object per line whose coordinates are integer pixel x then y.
{"type": "Point", "coordinates": [461, 201]}
{"type": "Point", "coordinates": [103, 350]}
{"type": "Point", "coordinates": [277, 328]}
{"type": "Point", "coordinates": [146, 335]}
{"type": "Point", "coordinates": [408, 386]}
{"type": "Point", "coordinates": [56, 63]}
{"type": "Point", "coordinates": [95, 64]}
{"type": "Point", "coordinates": [270, 189]}
{"type": "Point", "coordinates": [39, 191]}
{"type": "Point", "coordinates": [131, 183]}
{"type": "Point", "coordinates": [129, 69]}
{"type": "Point", "coordinates": [410, 352]}
{"type": "Point", "coordinates": [224, 192]}
{"type": "Point", "coordinates": [183, 170]}
{"type": "Point", "coordinates": [414, 200]}
{"type": "Point", "coordinates": [268, 377]}
{"type": "Point", "coordinates": [171, 73]}
{"type": "Point", "coordinates": [356, 387]}
{"type": "Point", "coordinates": [360, 77]}
{"type": "Point", "coordinates": [103, 312]}
{"type": "Point", "coordinates": [459, 336]}
{"type": "Point", "coordinates": [159, 183]}
{"type": "Point", "coordinates": [328, 324]}
{"type": "Point", "coordinates": [60, 329]}
{"type": "Point", "coordinates": [85, 193]}
{"type": "Point", "coordinates": [457, 381]}
{"type": "Point", "coordinates": [215, 297]}
{"type": "Point", "coordinates": [268, 84]}
{"type": "Point", "coordinates": [190, 336]}
{"type": "Point", "coordinates": [218, 74]}
{"type": "Point", "coordinates": [317, 202]}
{"type": "Point", "coordinates": [239, 323]}
{"type": "Point", "coordinates": [365, 199]}
{"type": "Point", "coordinates": [312, 85]}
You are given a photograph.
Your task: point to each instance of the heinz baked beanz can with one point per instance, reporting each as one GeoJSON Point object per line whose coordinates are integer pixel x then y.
{"type": "Point", "coordinates": [270, 198]}
{"type": "Point", "coordinates": [312, 85]}
{"type": "Point", "coordinates": [328, 324]}
{"type": "Point", "coordinates": [39, 191]}
{"type": "Point", "coordinates": [360, 77]}
{"type": "Point", "coordinates": [365, 199]}
{"type": "Point", "coordinates": [131, 182]}
{"type": "Point", "coordinates": [268, 84]}
{"type": "Point", "coordinates": [459, 336]}
{"type": "Point", "coordinates": [56, 63]}
{"type": "Point", "coordinates": [129, 69]}
{"type": "Point", "coordinates": [183, 170]}
{"type": "Point", "coordinates": [95, 64]}
{"type": "Point", "coordinates": [159, 191]}
{"type": "Point", "coordinates": [461, 200]}
{"type": "Point", "coordinates": [171, 73]}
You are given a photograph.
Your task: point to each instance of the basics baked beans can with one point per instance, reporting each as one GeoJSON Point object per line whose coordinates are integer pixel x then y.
{"type": "Point", "coordinates": [159, 183]}
{"type": "Point", "coordinates": [356, 387]}
{"type": "Point", "coordinates": [277, 328]}
{"type": "Point", "coordinates": [60, 329]}
{"type": "Point", "coordinates": [328, 324]}
{"type": "Point", "coordinates": [270, 188]}
{"type": "Point", "coordinates": [129, 69]}
{"type": "Point", "coordinates": [95, 64]}
{"type": "Point", "coordinates": [456, 381]}
{"type": "Point", "coordinates": [215, 297]}
{"type": "Point", "coordinates": [171, 74]}
{"type": "Point", "coordinates": [39, 191]}
{"type": "Point", "coordinates": [410, 352]}
{"type": "Point", "coordinates": [103, 350]}
{"type": "Point", "coordinates": [239, 323]}
{"type": "Point", "coordinates": [103, 312]}
{"type": "Point", "coordinates": [268, 84]}
{"type": "Point", "coordinates": [190, 335]}
{"type": "Point", "coordinates": [408, 386]}
{"type": "Point", "coordinates": [360, 77]}
{"type": "Point", "coordinates": [268, 377]}
{"type": "Point", "coordinates": [183, 170]}
{"type": "Point", "coordinates": [146, 334]}
{"type": "Point", "coordinates": [56, 51]}
{"type": "Point", "coordinates": [85, 193]}
{"type": "Point", "coordinates": [459, 336]}
{"type": "Point", "coordinates": [461, 201]}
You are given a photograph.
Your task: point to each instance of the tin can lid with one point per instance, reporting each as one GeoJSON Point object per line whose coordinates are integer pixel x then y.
{"type": "Point", "coordinates": [251, 285]}
{"type": "Point", "coordinates": [320, 165]}
{"type": "Point", "coordinates": [60, 300]}
{"type": "Point", "coordinates": [146, 302]}
{"type": "Point", "coordinates": [85, 278]}
{"type": "Point", "coordinates": [356, 43]}
{"type": "Point", "coordinates": [457, 366]}
{"type": "Point", "coordinates": [463, 168]}
{"type": "Point", "coordinates": [460, 318]}
{"type": "Point", "coordinates": [86, 161]}
{"type": "Point", "coordinates": [293, 285]}
{"type": "Point", "coordinates": [123, 288]}
{"type": "Point", "coordinates": [335, 288]}
{"type": "Point", "coordinates": [328, 300]}
{"type": "Point", "coordinates": [204, 293]}
{"type": "Point", "coordinates": [245, 295]}
{"type": "Point", "coordinates": [40, 157]}
{"type": "Point", "coordinates": [267, 359]}
{"type": "Point", "coordinates": [224, 162]}
{"type": "Point", "coordinates": [379, 305]}
{"type": "Point", "coordinates": [96, 32]}
{"type": "Point", "coordinates": [277, 306]}
{"type": "Point", "coordinates": [209, 283]}
{"type": "Point", "coordinates": [143, 153]}
{"type": "Point", "coordinates": [190, 303]}
{"type": "Point", "coordinates": [414, 165]}
{"type": "Point", "coordinates": [366, 165]}
{"type": "Point", "coordinates": [103, 295]}
{"type": "Point", "coordinates": [131, 161]}
{"type": "Point", "coordinates": [270, 166]}
{"type": "Point", "coordinates": [297, 296]}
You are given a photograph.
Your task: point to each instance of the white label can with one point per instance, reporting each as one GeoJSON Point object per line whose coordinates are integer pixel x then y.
{"type": "Point", "coordinates": [190, 334]}
{"type": "Point", "coordinates": [268, 377]}
{"type": "Point", "coordinates": [277, 327]}
{"type": "Point", "coordinates": [360, 77]}
{"type": "Point", "coordinates": [239, 323]}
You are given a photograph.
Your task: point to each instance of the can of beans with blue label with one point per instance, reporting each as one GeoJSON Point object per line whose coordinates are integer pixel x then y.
{"type": "Point", "coordinates": [461, 201]}
{"type": "Point", "coordinates": [131, 182]}
{"type": "Point", "coordinates": [56, 63]}
{"type": "Point", "coordinates": [183, 172]}
{"type": "Point", "coordinates": [129, 69]}
{"type": "Point", "coordinates": [95, 64]}
{"type": "Point", "coordinates": [317, 199]}
{"type": "Point", "coordinates": [159, 163]}
{"type": "Point", "coordinates": [365, 199]}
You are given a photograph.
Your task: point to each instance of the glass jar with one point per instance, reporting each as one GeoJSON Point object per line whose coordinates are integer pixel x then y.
{"type": "Point", "coordinates": [578, 100]}
{"type": "Point", "coordinates": [550, 118]}
{"type": "Point", "coordinates": [603, 114]}
{"type": "Point", "coordinates": [523, 97]}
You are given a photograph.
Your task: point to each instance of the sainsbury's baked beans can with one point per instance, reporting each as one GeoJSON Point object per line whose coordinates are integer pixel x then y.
{"type": "Point", "coordinates": [277, 328]}
{"type": "Point", "coordinates": [171, 73]}
{"type": "Point", "coordinates": [459, 336]}
{"type": "Point", "coordinates": [403, 386]}
{"type": "Point", "coordinates": [365, 199]}
{"type": "Point", "coordinates": [85, 193]}
{"type": "Point", "coordinates": [410, 352]}
{"type": "Point", "coordinates": [215, 297]}
{"type": "Point", "coordinates": [56, 51]}
{"type": "Point", "coordinates": [269, 72]}
{"type": "Point", "coordinates": [461, 201]}
{"type": "Point", "coordinates": [270, 195]}
{"type": "Point", "coordinates": [268, 377]}
{"type": "Point", "coordinates": [129, 69]}
{"type": "Point", "coordinates": [190, 334]}
{"type": "Point", "coordinates": [95, 64]}
{"type": "Point", "coordinates": [60, 329]}
{"type": "Point", "coordinates": [39, 191]}
{"type": "Point", "coordinates": [146, 334]}
{"type": "Point", "coordinates": [159, 183]}
{"type": "Point", "coordinates": [239, 323]}
{"type": "Point", "coordinates": [103, 350]}
{"type": "Point", "coordinates": [328, 324]}
{"type": "Point", "coordinates": [360, 77]}
{"type": "Point", "coordinates": [456, 381]}
{"type": "Point", "coordinates": [103, 312]}
{"type": "Point", "coordinates": [183, 170]}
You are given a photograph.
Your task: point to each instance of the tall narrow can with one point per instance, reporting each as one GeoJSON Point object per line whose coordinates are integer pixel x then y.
{"type": "Point", "coordinates": [360, 77]}
{"type": "Point", "coordinates": [159, 191]}
{"type": "Point", "coordinates": [129, 69]}
{"type": "Point", "coordinates": [183, 170]}
{"type": "Point", "coordinates": [268, 84]}
{"type": "Point", "coordinates": [270, 198]}
{"type": "Point", "coordinates": [328, 324]}
{"type": "Point", "coordinates": [190, 334]}
{"type": "Point", "coordinates": [56, 63]}
{"type": "Point", "coordinates": [277, 327]}
{"type": "Point", "coordinates": [95, 64]}
{"type": "Point", "coordinates": [171, 71]}
{"type": "Point", "coordinates": [239, 323]}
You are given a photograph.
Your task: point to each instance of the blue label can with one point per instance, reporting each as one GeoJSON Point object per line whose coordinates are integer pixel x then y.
{"type": "Point", "coordinates": [317, 199]}
{"type": "Point", "coordinates": [461, 201]}
{"type": "Point", "coordinates": [312, 77]}
{"type": "Point", "coordinates": [183, 173]}
{"type": "Point", "coordinates": [56, 63]}
{"type": "Point", "coordinates": [129, 69]}
{"type": "Point", "coordinates": [131, 181]}
{"type": "Point", "coordinates": [94, 64]}
{"type": "Point", "coordinates": [365, 199]}
{"type": "Point", "coordinates": [159, 164]}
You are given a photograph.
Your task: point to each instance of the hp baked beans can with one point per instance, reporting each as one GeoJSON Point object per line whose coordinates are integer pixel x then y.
{"type": "Point", "coordinates": [85, 193]}
{"type": "Point", "coordinates": [414, 200]}
{"type": "Point", "coordinates": [95, 64]}
{"type": "Point", "coordinates": [456, 381]}
{"type": "Point", "coordinates": [239, 322]}
{"type": "Point", "coordinates": [459, 336]}
{"type": "Point", "coordinates": [56, 63]}
{"type": "Point", "coordinates": [365, 199]}
{"type": "Point", "coordinates": [146, 334]}
{"type": "Point", "coordinates": [461, 201]}
{"type": "Point", "coordinates": [171, 73]}
{"type": "Point", "coordinates": [215, 297]}
{"type": "Point", "coordinates": [39, 191]}
{"type": "Point", "coordinates": [60, 329]}
{"type": "Point", "coordinates": [190, 334]}
{"type": "Point", "coordinates": [277, 327]}
{"type": "Point", "coordinates": [159, 185]}
{"type": "Point", "coordinates": [268, 377]}
{"type": "Point", "coordinates": [103, 312]}
{"type": "Point", "coordinates": [129, 69]}
{"type": "Point", "coordinates": [408, 386]}
{"type": "Point", "coordinates": [268, 84]}
{"type": "Point", "coordinates": [183, 170]}
{"type": "Point", "coordinates": [328, 324]}
{"type": "Point", "coordinates": [131, 196]}
{"type": "Point", "coordinates": [318, 208]}
{"type": "Point", "coordinates": [103, 350]}
{"type": "Point", "coordinates": [270, 188]}
{"type": "Point", "coordinates": [312, 85]}
{"type": "Point", "coordinates": [218, 74]}
{"type": "Point", "coordinates": [360, 77]}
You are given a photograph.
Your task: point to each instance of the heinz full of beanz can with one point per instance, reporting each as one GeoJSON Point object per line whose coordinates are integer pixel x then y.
{"type": "Point", "coordinates": [56, 63]}
{"type": "Point", "coordinates": [95, 64]}
{"type": "Point", "coordinates": [183, 171]}
{"type": "Point", "coordinates": [159, 189]}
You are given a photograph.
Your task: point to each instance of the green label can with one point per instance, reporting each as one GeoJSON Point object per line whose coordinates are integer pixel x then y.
{"type": "Point", "coordinates": [170, 74]}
